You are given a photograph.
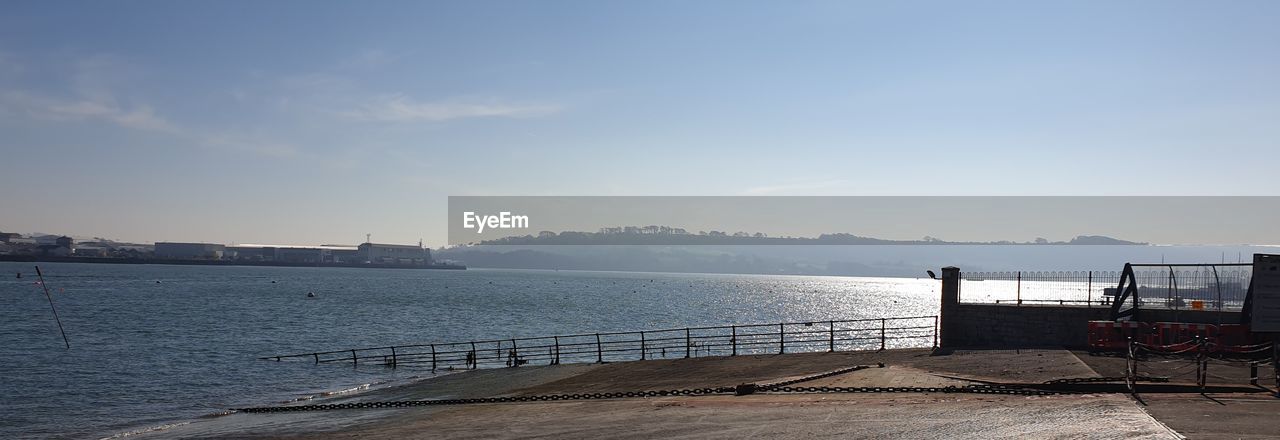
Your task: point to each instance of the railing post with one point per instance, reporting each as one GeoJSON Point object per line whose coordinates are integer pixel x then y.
{"type": "Point", "coordinates": [393, 357]}
{"type": "Point", "coordinates": [433, 357]}
{"type": "Point", "coordinates": [782, 339]}
{"type": "Point", "coordinates": [935, 331]}
{"type": "Point", "coordinates": [733, 339]}
{"type": "Point", "coordinates": [317, 356]}
{"type": "Point", "coordinates": [1089, 302]}
{"type": "Point", "coordinates": [355, 361]}
{"type": "Point", "coordinates": [882, 326]}
{"type": "Point", "coordinates": [1019, 287]}
{"type": "Point", "coordinates": [557, 358]}
{"type": "Point", "coordinates": [688, 341]}
{"type": "Point", "coordinates": [599, 350]}
{"type": "Point", "coordinates": [515, 354]}
{"type": "Point", "coordinates": [642, 347]}
{"type": "Point", "coordinates": [475, 356]}
{"type": "Point", "coordinates": [831, 337]}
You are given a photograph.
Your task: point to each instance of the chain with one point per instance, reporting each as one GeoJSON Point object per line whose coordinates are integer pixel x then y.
{"type": "Point", "coordinates": [972, 389]}
{"type": "Point", "coordinates": [769, 386]}
{"type": "Point", "coordinates": [1104, 379]}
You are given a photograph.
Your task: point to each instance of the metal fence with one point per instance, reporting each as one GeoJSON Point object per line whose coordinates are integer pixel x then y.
{"type": "Point", "coordinates": [1039, 287]}
{"type": "Point", "coordinates": [1218, 287]}
{"type": "Point", "coordinates": [731, 340]}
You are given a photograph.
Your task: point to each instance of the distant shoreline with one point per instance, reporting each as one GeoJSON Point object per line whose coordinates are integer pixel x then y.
{"type": "Point", "coordinates": [105, 260]}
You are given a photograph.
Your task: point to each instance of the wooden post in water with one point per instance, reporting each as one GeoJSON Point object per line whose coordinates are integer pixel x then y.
{"type": "Point", "coordinates": [51, 307]}
{"type": "Point", "coordinates": [831, 341]}
{"type": "Point", "coordinates": [599, 350]}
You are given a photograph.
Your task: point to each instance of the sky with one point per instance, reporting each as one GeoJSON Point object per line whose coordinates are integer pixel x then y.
{"type": "Point", "coordinates": [315, 122]}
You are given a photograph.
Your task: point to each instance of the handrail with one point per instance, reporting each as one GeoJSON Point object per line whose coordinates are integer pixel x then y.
{"type": "Point", "coordinates": [826, 335]}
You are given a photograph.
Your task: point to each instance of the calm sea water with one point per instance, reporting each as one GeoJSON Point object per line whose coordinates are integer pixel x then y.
{"type": "Point", "coordinates": [153, 345]}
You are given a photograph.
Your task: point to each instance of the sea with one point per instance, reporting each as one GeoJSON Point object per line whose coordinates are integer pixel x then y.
{"type": "Point", "coordinates": [155, 346]}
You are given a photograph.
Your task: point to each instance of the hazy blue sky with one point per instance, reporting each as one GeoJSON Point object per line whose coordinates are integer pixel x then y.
{"type": "Point", "coordinates": [318, 122]}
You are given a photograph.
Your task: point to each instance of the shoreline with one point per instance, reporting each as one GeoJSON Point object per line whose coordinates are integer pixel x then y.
{"type": "Point", "coordinates": [237, 263]}
{"type": "Point", "coordinates": [339, 394]}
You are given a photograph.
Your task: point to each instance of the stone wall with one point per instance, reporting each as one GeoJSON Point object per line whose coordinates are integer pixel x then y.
{"type": "Point", "coordinates": [999, 325]}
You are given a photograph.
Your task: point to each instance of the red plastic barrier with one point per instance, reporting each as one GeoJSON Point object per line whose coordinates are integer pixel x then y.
{"type": "Point", "coordinates": [1234, 335]}
{"type": "Point", "coordinates": [1115, 335]}
{"type": "Point", "coordinates": [1172, 333]}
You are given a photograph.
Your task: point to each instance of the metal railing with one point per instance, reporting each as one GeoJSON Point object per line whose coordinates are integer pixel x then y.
{"type": "Point", "coordinates": [1087, 288]}
{"type": "Point", "coordinates": [730, 340]}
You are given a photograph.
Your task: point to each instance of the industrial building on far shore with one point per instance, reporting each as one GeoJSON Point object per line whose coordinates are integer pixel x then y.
{"type": "Point", "coordinates": [55, 248]}
{"type": "Point", "coordinates": [366, 253]}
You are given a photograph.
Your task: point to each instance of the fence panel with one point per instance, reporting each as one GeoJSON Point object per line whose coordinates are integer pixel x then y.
{"type": "Point", "coordinates": [1217, 287]}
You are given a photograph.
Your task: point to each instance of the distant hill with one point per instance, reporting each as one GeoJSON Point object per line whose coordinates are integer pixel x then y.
{"type": "Point", "coordinates": [667, 236]}
{"type": "Point", "coordinates": [1102, 240]}
{"type": "Point", "coordinates": [658, 259]}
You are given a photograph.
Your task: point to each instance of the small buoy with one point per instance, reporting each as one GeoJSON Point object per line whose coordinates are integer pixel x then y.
{"type": "Point", "coordinates": [311, 294]}
{"type": "Point", "coordinates": [157, 281]}
{"type": "Point", "coordinates": [273, 281]}
{"type": "Point", "coordinates": [19, 275]}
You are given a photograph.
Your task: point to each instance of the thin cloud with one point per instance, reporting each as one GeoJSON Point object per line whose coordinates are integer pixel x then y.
{"type": "Point", "coordinates": [140, 117]}
{"type": "Point", "coordinates": [401, 108]}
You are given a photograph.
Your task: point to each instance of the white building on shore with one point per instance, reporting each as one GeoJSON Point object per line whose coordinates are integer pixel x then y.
{"type": "Point", "coordinates": [395, 254]}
